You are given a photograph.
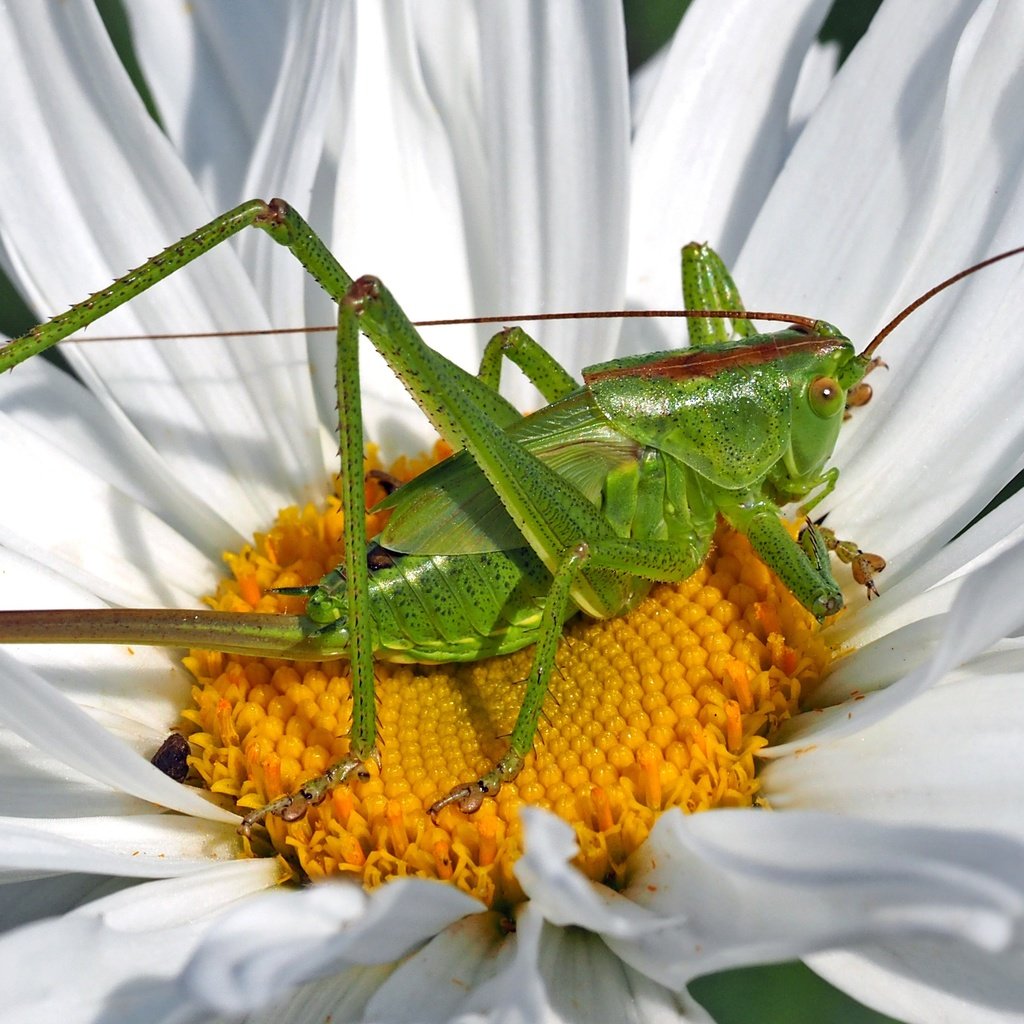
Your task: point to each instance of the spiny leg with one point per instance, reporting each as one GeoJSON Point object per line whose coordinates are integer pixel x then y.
{"type": "Point", "coordinates": [707, 284]}
{"type": "Point", "coordinates": [363, 734]}
{"type": "Point", "coordinates": [589, 564]}
{"type": "Point", "coordinates": [287, 228]}
{"type": "Point", "coordinates": [542, 370]}
{"type": "Point", "coordinates": [278, 220]}
{"type": "Point", "coordinates": [803, 567]}
{"type": "Point", "coordinates": [653, 560]}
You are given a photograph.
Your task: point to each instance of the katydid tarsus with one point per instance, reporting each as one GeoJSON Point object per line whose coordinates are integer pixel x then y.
{"type": "Point", "coordinates": [581, 506]}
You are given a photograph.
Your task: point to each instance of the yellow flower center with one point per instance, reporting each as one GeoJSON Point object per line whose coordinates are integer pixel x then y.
{"type": "Point", "coordinates": [664, 707]}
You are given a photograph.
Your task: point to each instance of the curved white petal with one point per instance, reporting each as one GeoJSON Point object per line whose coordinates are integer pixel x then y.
{"type": "Point", "coordinates": [556, 129]}
{"type": "Point", "coordinates": [135, 845]}
{"type": "Point", "coordinates": [294, 131]}
{"type": "Point", "coordinates": [40, 714]}
{"type": "Point", "coordinates": [708, 149]}
{"type": "Point", "coordinates": [908, 171]}
{"type": "Point", "coordinates": [22, 902]}
{"type": "Point", "coordinates": [51, 404]}
{"type": "Point", "coordinates": [917, 986]}
{"type": "Point", "coordinates": [130, 946]}
{"type": "Point", "coordinates": [395, 203]}
{"type": "Point", "coordinates": [145, 686]}
{"type": "Point", "coordinates": [713, 891]}
{"type": "Point", "coordinates": [54, 510]}
{"type": "Point", "coordinates": [931, 588]}
{"type": "Point", "coordinates": [737, 887]}
{"type": "Point", "coordinates": [86, 165]}
{"type": "Point", "coordinates": [469, 188]}
{"type": "Point", "coordinates": [950, 758]}
{"type": "Point", "coordinates": [35, 781]}
{"type": "Point", "coordinates": [212, 70]}
{"type": "Point", "coordinates": [287, 938]}
{"type": "Point", "coordinates": [988, 607]}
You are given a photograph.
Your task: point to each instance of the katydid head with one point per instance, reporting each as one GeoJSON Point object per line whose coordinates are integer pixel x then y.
{"type": "Point", "coordinates": [819, 376]}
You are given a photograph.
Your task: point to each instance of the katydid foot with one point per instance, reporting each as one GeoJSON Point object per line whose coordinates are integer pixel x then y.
{"type": "Point", "coordinates": [294, 806]}
{"type": "Point", "coordinates": [468, 797]}
{"type": "Point", "coordinates": [864, 565]}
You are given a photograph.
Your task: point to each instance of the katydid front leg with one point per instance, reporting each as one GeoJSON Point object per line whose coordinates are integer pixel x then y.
{"type": "Point", "coordinates": [803, 568]}
{"type": "Point", "coordinates": [864, 565]}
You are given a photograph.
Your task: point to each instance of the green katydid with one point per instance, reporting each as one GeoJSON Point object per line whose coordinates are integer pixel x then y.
{"type": "Point", "coordinates": [581, 506]}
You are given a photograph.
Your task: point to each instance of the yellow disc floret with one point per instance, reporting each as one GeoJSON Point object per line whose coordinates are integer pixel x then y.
{"type": "Point", "coordinates": [664, 707]}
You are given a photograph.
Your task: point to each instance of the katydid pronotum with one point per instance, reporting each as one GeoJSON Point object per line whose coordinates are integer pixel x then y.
{"type": "Point", "coordinates": [581, 506]}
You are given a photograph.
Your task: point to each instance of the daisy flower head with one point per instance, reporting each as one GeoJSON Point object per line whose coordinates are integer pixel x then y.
{"type": "Point", "coordinates": [493, 160]}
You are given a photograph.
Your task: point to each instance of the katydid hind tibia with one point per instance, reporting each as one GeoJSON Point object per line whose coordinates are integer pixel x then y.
{"type": "Point", "coordinates": [581, 506]}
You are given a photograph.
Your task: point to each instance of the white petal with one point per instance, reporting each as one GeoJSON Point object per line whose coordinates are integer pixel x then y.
{"type": "Point", "coordinates": [146, 686]}
{"type": "Point", "coordinates": [34, 781]}
{"type": "Point", "coordinates": [23, 902]}
{"type": "Point", "coordinates": [119, 957]}
{"type": "Point", "coordinates": [920, 984]}
{"type": "Point", "coordinates": [40, 714]}
{"type": "Point", "coordinates": [816, 74]}
{"type": "Point", "coordinates": [988, 607]}
{"type": "Point", "coordinates": [446, 971]}
{"type": "Point", "coordinates": [230, 59]}
{"type": "Point", "coordinates": [294, 129]}
{"type": "Point", "coordinates": [741, 887]}
{"type": "Point", "coordinates": [104, 180]}
{"type": "Point", "coordinates": [950, 758]}
{"type": "Point", "coordinates": [136, 846]}
{"type": "Point", "coordinates": [396, 207]}
{"type": "Point", "coordinates": [566, 896]}
{"type": "Point", "coordinates": [54, 510]}
{"type": "Point", "coordinates": [50, 403]}
{"type": "Point", "coordinates": [174, 901]}
{"type": "Point", "coordinates": [913, 124]}
{"type": "Point", "coordinates": [556, 125]}
{"type": "Point", "coordinates": [284, 939]}
{"type": "Point", "coordinates": [711, 142]}
{"type": "Point", "coordinates": [479, 190]}
{"type": "Point", "coordinates": [922, 592]}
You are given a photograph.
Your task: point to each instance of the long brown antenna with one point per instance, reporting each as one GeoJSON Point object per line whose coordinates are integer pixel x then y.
{"type": "Point", "coordinates": [596, 314]}
{"type": "Point", "coordinates": [930, 294]}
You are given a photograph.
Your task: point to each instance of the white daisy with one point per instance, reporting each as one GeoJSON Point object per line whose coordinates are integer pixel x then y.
{"type": "Point", "coordinates": [478, 159]}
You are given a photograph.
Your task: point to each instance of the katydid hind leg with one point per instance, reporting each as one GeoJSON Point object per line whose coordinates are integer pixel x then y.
{"type": "Point", "coordinates": [363, 732]}
{"type": "Point", "coordinates": [707, 284]}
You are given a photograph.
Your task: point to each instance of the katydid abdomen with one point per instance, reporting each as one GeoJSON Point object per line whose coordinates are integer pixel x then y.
{"type": "Point", "coordinates": [426, 608]}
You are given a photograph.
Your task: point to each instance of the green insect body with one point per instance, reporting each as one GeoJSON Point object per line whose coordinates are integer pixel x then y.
{"type": "Point", "coordinates": [582, 506]}
{"type": "Point", "coordinates": [660, 456]}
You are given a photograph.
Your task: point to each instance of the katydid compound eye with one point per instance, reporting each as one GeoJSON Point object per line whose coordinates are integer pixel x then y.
{"type": "Point", "coordinates": [826, 397]}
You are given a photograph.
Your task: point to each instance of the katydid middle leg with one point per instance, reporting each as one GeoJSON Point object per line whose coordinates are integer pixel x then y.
{"type": "Point", "coordinates": [542, 370]}
{"type": "Point", "coordinates": [707, 284]}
